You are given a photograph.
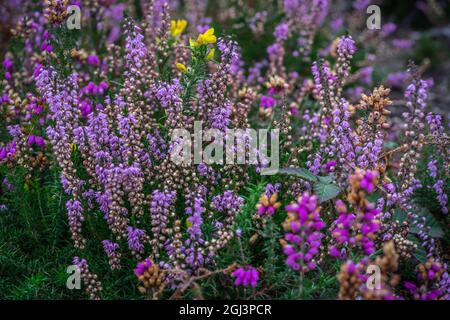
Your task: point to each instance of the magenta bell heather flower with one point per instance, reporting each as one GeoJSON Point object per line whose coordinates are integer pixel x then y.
{"type": "Point", "coordinates": [39, 141]}
{"type": "Point", "coordinates": [246, 276]}
{"type": "Point", "coordinates": [267, 102]}
{"type": "Point", "coordinates": [342, 230]}
{"type": "Point", "coordinates": [368, 181]}
{"type": "Point", "coordinates": [93, 60]}
{"type": "Point", "coordinates": [303, 236]}
{"type": "Point", "coordinates": [7, 64]}
{"type": "Point", "coordinates": [142, 267]}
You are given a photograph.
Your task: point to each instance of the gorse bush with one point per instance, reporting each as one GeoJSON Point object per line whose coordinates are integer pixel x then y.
{"type": "Point", "coordinates": [351, 202]}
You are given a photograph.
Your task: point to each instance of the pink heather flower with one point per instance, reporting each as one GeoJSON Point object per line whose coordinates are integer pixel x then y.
{"type": "Point", "coordinates": [396, 79]}
{"type": "Point", "coordinates": [142, 267]}
{"type": "Point", "coordinates": [303, 236]}
{"type": "Point", "coordinates": [246, 276]}
{"type": "Point", "coordinates": [267, 102]}
{"type": "Point", "coordinates": [432, 168]}
{"type": "Point", "coordinates": [368, 181]}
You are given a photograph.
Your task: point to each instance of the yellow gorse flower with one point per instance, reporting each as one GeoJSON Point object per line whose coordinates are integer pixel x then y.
{"type": "Point", "coordinates": [210, 54]}
{"type": "Point", "coordinates": [181, 67]}
{"type": "Point", "coordinates": [207, 37]}
{"type": "Point", "coordinates": [177, 27]}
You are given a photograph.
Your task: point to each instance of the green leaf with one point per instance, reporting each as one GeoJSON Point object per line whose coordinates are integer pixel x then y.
{"type": "Point", "coordinates": [435, 228]}
{"type": "Point", "coordinates": [326, 179]}
{"type": "Point", "coordinates": [420, 254]}
{"type": "Point", "coordinates": [298, 172]}
{"type": "Point", "coordinates": [326, 191]}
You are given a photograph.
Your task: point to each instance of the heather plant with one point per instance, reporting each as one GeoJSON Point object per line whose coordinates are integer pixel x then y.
{"type": "Point", "coordinates": [94, 119]}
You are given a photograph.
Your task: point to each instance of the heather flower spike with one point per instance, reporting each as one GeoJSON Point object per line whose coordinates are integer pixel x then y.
{"type": "Point", "coordinates": [148, 137]}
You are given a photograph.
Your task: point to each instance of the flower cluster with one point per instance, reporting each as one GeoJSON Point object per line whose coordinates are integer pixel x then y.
{"type": "Point", "coordinates": [110, 112]}
{"type": "Point", "coordinates": [92, 285]}
{"type": "Point", "coordinates": [433, 282]}
{"type": "Point", "coordinates": [303, 233]}
{"type": "Point", "coordinates": [112, 251]}
{"type": "Point", "coordinates": [246, 276]}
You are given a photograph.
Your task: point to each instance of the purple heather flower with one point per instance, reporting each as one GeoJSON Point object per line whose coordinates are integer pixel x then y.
{"type": "Point", "coordinates": [336, 24]}
{"type": "Point", "coordinates": [202, 28]}
{"type": "Point", "coordinates": [346, 45]}
{"type": "Point", "coordinates": [110, 247]}
{"type": "Point", "coordinates": [403, 44]}
{"type": "Point", "coordinates": [272, 188]}
{"type": "Point", "coordinates": [361, 4]}
{"type": "Point", "coordinates": [134, 237]}
{"type": "Point", "coordinates": [275, 50]}
{"type": "Point", "coordinates": [281, 31]}
{"type": "Point", "coordinates": [388, 29]}
{"type": "Point", "coordinates": [228, 201]}
{"type": "Point", "coordinates": [135, 47]}
{"type": "Point", "coordinates": [7, 64]}
{"type": "Point", "coordinates": [432, 168]}
{"type": "Point", "coordinates": [76, 218]}
{"type": "Point", "coordinates": [396, 79]}
{"type": "Point", "coordinates": [441, 195]}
